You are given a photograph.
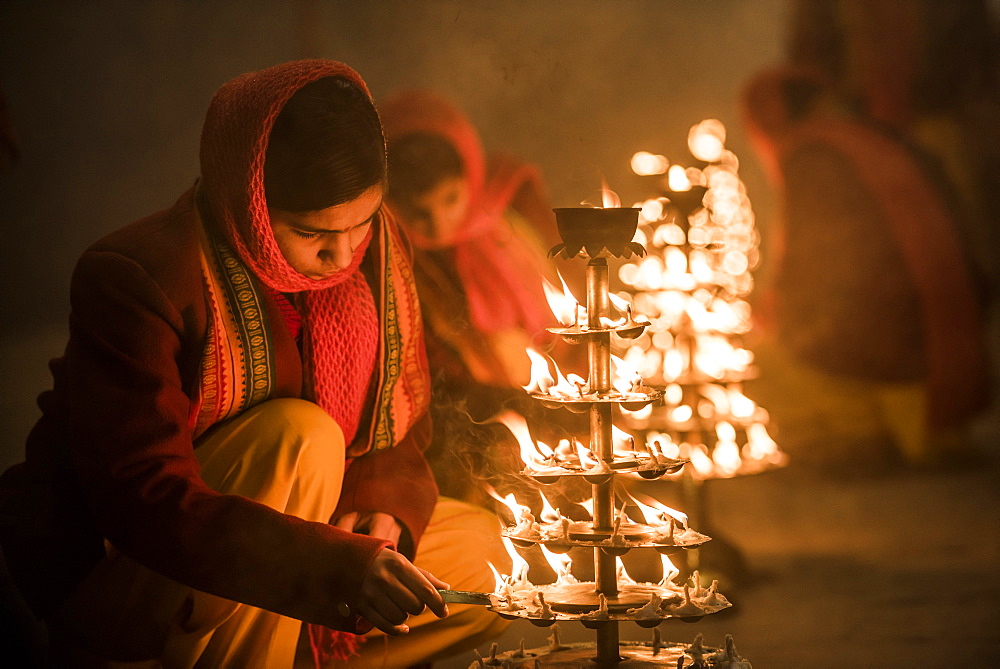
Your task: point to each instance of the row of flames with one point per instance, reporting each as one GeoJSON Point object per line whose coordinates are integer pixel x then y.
{"type": "Point", "coordinates": [700, 359]}
{"type": "Point", "coordinates": [656, 515]}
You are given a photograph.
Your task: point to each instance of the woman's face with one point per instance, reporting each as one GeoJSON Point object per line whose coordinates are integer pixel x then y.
{"type": "Point", "coordinates": [439, 212]}
{"type": "Point", "coordinates": [318, 244]}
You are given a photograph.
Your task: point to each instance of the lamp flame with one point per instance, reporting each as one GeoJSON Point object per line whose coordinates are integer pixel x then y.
{"type": "Point", "coordinates": [532, 453]}
{"type": "Point", "coordinates": [561, 565]}
{"type": "Point", "coordinates": [609, 198]}
{"type": "Point", "coordinates": [677, 179]}
{"type": "Point", "coordinates": [645, 163]}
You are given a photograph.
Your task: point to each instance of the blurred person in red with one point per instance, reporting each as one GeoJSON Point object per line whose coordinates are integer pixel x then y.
{"type": "Point", "coordinates": [873, 299]}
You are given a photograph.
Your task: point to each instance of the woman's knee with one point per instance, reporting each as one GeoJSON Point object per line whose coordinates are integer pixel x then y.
{"type": "Point", "coordinates": [302, 432]}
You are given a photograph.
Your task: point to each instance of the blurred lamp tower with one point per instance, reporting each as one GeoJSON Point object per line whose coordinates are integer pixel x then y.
{"type": "Point", "coordinates": [702, 246]}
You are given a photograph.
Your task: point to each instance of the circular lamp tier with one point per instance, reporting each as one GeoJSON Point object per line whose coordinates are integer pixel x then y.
{"type": "Point", "coordinates": [582, 534]}
{"type": "Point", "coordinates": [645, 604]}
{"type": "Point", "coordinates": [579, 333]}
{"type": "Point", "coordinates": [648, 468]}
{"type": "Point", "coordinates": [633, 401]}
{"type": "Point", "coordinates": [634, 655]}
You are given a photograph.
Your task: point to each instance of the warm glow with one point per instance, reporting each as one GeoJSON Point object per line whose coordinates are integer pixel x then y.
{"type": "Point", "coordinates": [549, 513]}
{"type": "Point", "coordinates": [707, 140]}
{"type": "Point", "coordinates": [655, 511]}
{"type": "Point", "coordinates": [624, 578]}
{"type": "Point", "coordinates": [623, 443]}
{"type": "Point", "coordinates": [652, 210]}
{"type": "Point", "coordinates": [702, 464]}
{"type": "Point", "coordinates": [623, 376]}
{"type": "Point", "coordinates": [673, 365]}
{"type": "Point", "coordinates": [587, 457]}
{"type": "Point", "coordinates": [645, 163]}
{"type": "Point", "coordinates": [726, 454]}
{"type": "Point", "coordinates": [563, 305]}
{"type": "Point", "coordinates": [530, 454]}
{"type": "Point", "coordinates": [677, 179]}
{"type": "Point", "coordinates": [541, 380]}
{"type": "Point", "coordinates": [497, 578]}
{"type": "Point", "coordinates": [761, 446]}
{"type": "Point", "coordinates": [670, 572]}
{"type": "Point", "coordinates": [621, 305]}
{"type": "Point", "coordinates": [519, 566]}
{"type": "Point", "coordinates": [509, 501]}
{"type": "Point", "coordinates": [609, 198]}
{"type": "Point", "coordinates": [742, 406]}
{"type": "Point", "coordinates": [561, 565]}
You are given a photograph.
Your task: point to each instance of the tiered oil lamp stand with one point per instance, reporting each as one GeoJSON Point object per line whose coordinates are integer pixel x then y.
{"type": "Point", "coordinates": [612, 598]}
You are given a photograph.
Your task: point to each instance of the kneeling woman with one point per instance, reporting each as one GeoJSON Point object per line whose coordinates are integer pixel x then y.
{"type": "Point", "coordinates": [233, 442]}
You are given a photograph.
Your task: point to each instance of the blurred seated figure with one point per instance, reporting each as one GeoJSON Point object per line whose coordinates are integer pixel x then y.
{"type": "Point", "coordinates": [480, 228]}
{"type": "Point", "coordinates": [873, 300]}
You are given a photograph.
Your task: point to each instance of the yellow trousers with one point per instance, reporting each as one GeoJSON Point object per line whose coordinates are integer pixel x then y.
{"type": "Point", "coordinates": [289, 455]}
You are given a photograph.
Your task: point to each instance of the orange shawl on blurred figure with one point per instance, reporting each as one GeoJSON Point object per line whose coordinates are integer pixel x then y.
{"type": "Point", "coordinates": [499, 268]}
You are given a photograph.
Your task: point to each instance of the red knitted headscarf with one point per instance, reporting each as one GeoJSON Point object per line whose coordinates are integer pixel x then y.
{"type": "Point", "coordinates": [352, 338]}
{"type": "Point", "coordinates": [500, 275]}
{"type": "Point", "coordinates": [340, 337]}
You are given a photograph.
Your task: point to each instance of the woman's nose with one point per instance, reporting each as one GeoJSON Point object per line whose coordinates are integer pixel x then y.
{"type": "Point", "coordinates": [338, 251]}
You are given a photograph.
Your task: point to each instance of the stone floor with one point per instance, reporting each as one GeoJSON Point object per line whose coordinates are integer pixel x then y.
{"type": "Point", "coordinates": [893, 570]}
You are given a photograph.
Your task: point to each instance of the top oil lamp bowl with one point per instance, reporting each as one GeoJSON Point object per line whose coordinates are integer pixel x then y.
{"type": "Point", "coordinates": [600, 231]}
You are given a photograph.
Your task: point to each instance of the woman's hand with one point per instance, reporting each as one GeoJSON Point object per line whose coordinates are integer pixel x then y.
{"type": "Point", "coordinates": [394, 588]}
{"type": "Point", "coordinates": [373, 523]}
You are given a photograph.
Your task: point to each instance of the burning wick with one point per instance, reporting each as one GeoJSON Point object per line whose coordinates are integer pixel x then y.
{"type": "Point", "coordinates": [579, 388]}
{"type": "Point", "coordinates": [494, 648]}
{"type": "Point", "coordinates": [628, 313]}
{"type": "Point", "coordinates": [576, 317]}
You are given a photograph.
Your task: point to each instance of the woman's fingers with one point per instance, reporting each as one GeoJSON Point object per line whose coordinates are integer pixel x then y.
{"type": "Point", "coordinates": [417, 582]}
{"type": "Point", "coordinates": [434, 580]}
{"type": "Point", "coordinates": [381, 622]}
{"type": "Point", "coordinates": [347, 521]}
{"type": "Point", "coordinates": [395, 589]}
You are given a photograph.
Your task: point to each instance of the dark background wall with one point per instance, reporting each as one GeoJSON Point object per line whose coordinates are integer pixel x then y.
{"type": "Point", "coordinates": [107, 99]}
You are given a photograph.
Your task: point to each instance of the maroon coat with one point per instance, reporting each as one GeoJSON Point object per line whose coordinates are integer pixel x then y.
{"type": "Point", "coordinates": [113, 455]}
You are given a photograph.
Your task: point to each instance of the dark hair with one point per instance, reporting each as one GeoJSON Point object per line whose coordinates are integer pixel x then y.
{"type": "Point", "coordinates": [326, 147]}
{"type": "Point", "coordinates": [418, 162]}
